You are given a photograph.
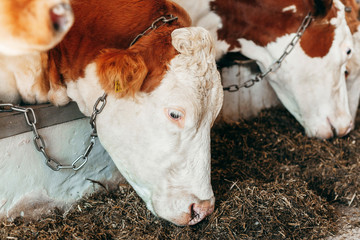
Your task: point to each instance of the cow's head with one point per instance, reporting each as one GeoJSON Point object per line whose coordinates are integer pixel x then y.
{"type": "Point", "coordinates": [159, 137]}
{"type": "Point", "coordinates": [310, 82]}
{"type": "Point", "coordinates": [353, 66]}
{"type": "Point", "coordinates": [28, 26]}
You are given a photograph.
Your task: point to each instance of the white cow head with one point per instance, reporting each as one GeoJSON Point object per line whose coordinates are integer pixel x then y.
{"type": "Point", "coordinates": [160, 140]}
{"type": "Point", "coordinates": [353, 66]}
{"type": "Point", "coordinates": [311, 81]}
{"type": "Point", "coordinates": [33, 25]}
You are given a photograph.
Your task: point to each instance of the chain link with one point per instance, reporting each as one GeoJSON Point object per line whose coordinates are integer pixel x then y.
{"type": "Point", "coordinates": [277, 64]}
{"type": "Point", "coordinates": [154, 26]}
{"type": "Point", "coordinates": [39, 142]}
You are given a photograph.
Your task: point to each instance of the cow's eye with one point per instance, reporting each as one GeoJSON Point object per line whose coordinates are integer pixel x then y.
{"type": "Point", "coordinates": [175, 115]}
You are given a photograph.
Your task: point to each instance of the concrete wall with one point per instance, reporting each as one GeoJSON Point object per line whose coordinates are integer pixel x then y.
{"type": "Point", "coordinates": [29, 188]}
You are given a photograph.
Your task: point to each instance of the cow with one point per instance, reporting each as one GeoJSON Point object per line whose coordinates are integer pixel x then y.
{"type": "Point", "coordinates": [28, 26]}
{"type": "Point", "coordinates": [153, 84]}
{"type": "Point", "coordinates": [353, 66]}
{"type": "Point", "coordinates": [301, 47]}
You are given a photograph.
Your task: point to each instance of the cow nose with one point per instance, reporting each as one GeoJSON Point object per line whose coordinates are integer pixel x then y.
{"type": "Point", "coordinates": [340, 130]}
{"type": "Point", "coordinates": [345, 130]}
{"type": "Point", "coordinates": [61, 16]}
{"type": "Point", "coordinates": [200, 210]}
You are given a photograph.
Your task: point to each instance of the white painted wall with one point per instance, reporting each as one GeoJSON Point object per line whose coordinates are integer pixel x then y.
{"type": "Point", "coordinates": [29, 188]}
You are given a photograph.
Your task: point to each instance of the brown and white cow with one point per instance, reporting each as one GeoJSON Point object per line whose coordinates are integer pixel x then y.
{"type": "Point", "coordinates": [28, 26]}
{"type": "Point", "coordinates": [164, 93]}
{"type": "Point", "coordinates": [310, 82]}
{"type": "Point", "coordinates": [353, 66]}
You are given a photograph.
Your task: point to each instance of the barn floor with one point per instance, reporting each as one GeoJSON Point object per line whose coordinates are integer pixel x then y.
{"type": "Point", "coordinates": [270, 182]}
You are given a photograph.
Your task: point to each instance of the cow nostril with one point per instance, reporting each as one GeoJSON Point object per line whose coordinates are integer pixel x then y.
{"type": "Point", "coordinates": [347, 130]}
{"type": "Point", "coordinates": [194, 215]}
{"type": "Point", "coordinates": [333, 130]}
{"type": "Point", "coordinates": [61, 17]}
{"type": "Point", "coordinates": [198, 211]}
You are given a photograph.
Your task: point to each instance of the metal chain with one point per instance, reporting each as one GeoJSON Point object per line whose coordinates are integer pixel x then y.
{"type": "Point", "coordinates": [154, 26]}
{"type": "Point", "coordinates": [277, 64]}
{"type": "Point", "coordinates": [38, 140]}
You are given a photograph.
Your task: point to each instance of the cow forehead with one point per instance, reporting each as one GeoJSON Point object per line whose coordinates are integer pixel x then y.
{"type": "Point", "coordinates": [181, 83]}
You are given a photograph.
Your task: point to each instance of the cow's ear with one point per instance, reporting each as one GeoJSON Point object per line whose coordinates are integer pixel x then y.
{"type": "Point", "coordinates": [121, 72]}
{"type": "Point", "coordinates": [320, 8]}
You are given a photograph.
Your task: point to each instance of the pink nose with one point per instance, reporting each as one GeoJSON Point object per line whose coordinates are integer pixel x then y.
{"type": "Point", "coordinates": [344, 131]}
{"type": "Point", "coordinates": [341, 130]}
{"type": "Point", "coordinates": [200, 210]}
{"type": "Point", "coordinates": [61, 16]}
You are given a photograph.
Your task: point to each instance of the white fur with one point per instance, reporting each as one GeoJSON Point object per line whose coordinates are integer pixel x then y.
{"type": "Point", "coordinates": [168, 166]}
{"type": "Point", "coordinates": [290, 8]}
{"type": "Point", "coordinates": [312, 89]}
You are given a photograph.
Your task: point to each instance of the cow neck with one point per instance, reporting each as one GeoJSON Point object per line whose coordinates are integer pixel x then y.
{"type": "Point", "coordinates": [156, 24]}
{"type": "Point", "coordinates": [252, 21]}
{"type": "Point", "coordinates": [277, 64]}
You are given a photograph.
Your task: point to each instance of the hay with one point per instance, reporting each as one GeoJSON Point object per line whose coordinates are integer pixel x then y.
{"type": "Point", "coordinates": [269, 179]}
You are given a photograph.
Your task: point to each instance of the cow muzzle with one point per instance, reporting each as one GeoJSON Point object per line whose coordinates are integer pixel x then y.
{"type": "Point", "coordinates": [62, 17]}
{"type": "Point", "coordinates": [338, 126]}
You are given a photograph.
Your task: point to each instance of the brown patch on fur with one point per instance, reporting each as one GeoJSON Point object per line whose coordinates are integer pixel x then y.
{"type": "Point", "coordinates": [157, 51]}
{"type": "Point", "coordinates": [352, 17]}
{"type": "Point", "coordinates": [318, 38]}
{"type": "Point", "coordinates": [102, 30]}
{"type": "Point", "coordinates": [263, 22]}
{"type": "Point", "coordinates": [260, 22]}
